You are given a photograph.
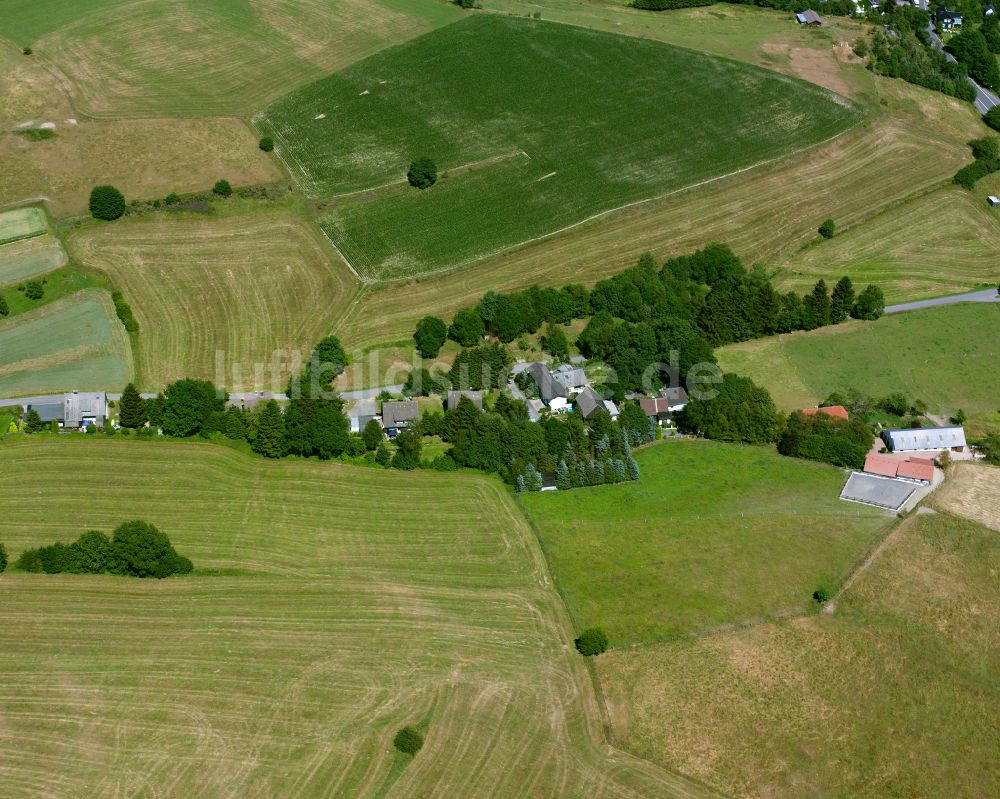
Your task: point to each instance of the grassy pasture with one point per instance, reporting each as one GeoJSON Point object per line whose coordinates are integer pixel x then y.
{"type": "Point", "coordinates": [58, 284]}
{"type": "Point", "coordinates": [711, 534]}
{"type": "Point", "coordinates": [895, 694]}
{"type": "Point", "coordinates": [602, 121]}
{"type": "Point", "coordinates": [30, 257]}
{"type": "Point", "coordinates": [330, 606]}
{"type": "Point", "coordinates": [245, 285]}
{"type": "Point", "coordinates": [187, 58]}
{"type": "Point", "coordinates": [914, 145]}
{"type": "Point", "coordinates": [76, 342]}
{"type": "Point", "coordinates": [22, 223]}
{"type": "Point", "coordinates": [955, 248]}
{"type": "Point", "coordinates": [945, 356]}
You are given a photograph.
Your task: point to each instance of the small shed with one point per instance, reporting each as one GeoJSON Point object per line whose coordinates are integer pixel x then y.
{"type": "Point", "coordinates": [808, 17]}
{"type": "Point", "coordinates": [992, 200]}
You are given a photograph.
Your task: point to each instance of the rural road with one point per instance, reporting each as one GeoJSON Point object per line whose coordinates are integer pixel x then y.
{"type": "Point", "coordinates": [987, 295]}
{"type": "Point", "coordinates": [985, 99]}
{"type": "Point", "coordinates": [43, 399]}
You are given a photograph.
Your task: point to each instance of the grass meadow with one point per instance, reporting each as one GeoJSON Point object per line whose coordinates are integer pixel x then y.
{"type": "Point", "coordinates": [330, 605]}
{"type": "Point", "coordinates": [245, 285]}
{"type": "Point", "coordinates": [22, 223]}
{"type": "Point", "coordinates": [712, 534]}
{"type": "Point", "coordinates": [28, 258]}
{"type": "Point", "coordinates": [74, 343]}
{"type": "Point", "coordinates": [894, 694]}
{"type": "Point", "coordinates": [945, 356]}
{"type": "Point", "coordinates": [570, 122]}
{"type": "Point", "coordinates": [187, 58]}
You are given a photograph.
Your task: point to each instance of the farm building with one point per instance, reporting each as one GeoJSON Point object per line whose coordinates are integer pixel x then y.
{"type": "Point", "coordinates": [47, 411]}
{"type": "Point", "coordinates": [925, 439]}
{"type": "Point", "coordinates": [398, 416]}
{"type": "Point", "coordinates": [918, 469]}
{"type": "Point", "coordinates": [75, 411]}
{"type": "Point", "coordinates": [589, 403]}
{"type": "Point", "coordinates": [808, 17]}
{"type": "Point", "coordinates": [454, 397]}
{"type": "Point", "coordinates": [882, 492]}
{"type": "Point", "coordinates": [833, 411]}
{"type": "Point", "coordinates": [881, 465]}
{"type": "Point", "coordinates": [361, 414]}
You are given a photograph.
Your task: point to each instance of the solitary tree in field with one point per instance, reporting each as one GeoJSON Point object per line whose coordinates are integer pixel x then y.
{"type": "Point", "coordinates": [267, 144]}
{"type": "Point", "coordinates": [26, 50]}
{"type": "Point", "coordinates": [423, 173]}
{"type": "Point", "coordinates": [106, 203]}
{"type": "Point", "coordinates": [592, 641]}
{"type": "Point", "coordinates": [132, 408]}
{"type": "Point", "coordinates": [828, 229]}
{"type": "Point", "coordinates": [430, 336]}
{"type": "Point", "coordinates": [222, 188]}
{"type": "Point", "coordinates": [408, 740]}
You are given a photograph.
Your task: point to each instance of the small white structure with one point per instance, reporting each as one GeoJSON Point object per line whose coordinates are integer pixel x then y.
{"type": "Point", "coordinates": [993, 201]}
{"type": "Point", "coordinates": [558, 405]}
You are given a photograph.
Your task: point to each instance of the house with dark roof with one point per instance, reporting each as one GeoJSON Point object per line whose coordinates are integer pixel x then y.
{"type": "Point", "coordinates": [808, 17]}
{"type": "Point", "coordinates": [661, 408]}
{"type": "Point", "coordinates": [548, 387]}
{"type": "Point", "coordinates": [398, 416]}
{"type": "Point", "coordinates": [572, 378]}
{"type": "Point", "coordinates": [75, 411]}
{"type": "Point", "coordinates": [454, 397]}
{"type": "Point", "coordinates": [47, 411]}
{"type": "Point", "coordinates": [589, 403]}
{"type": "Point", "coordinates": [948, 20]}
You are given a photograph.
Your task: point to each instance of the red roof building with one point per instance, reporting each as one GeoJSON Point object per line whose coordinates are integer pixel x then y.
{"type": "Point", "coordinates": [917, 469]}
{"type": "Point", "coordinates": [835, 411]}
{"type": "Point", "coordinates": [882, 465]}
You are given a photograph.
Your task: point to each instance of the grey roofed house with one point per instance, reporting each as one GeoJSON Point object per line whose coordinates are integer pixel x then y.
{"type": "Point", "coordinates": [548, 387]}
{"type": "Point", "coordinates": [79, 409]}
{"type": "Point", "coordinates": [535, 408]}
{"type": "Point", "coordinates": [454, 397]}
{"type": "Point", "coordinates": [570, 377]}
{"type": "Point", "coordinates": [396, 414]}
{"type": "Point", "coordinates": [361, 414]}
{"type": "Point", "coordinates": [925, 438]}
{"type": "Point", "coordinates": [47, 411]}
{"type": "Point", "coordinates": [590, 403]}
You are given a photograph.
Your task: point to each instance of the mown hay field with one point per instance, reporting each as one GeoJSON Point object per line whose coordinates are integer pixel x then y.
{"type": "Point", "coordinates": [22, 223]}
{"type": "Point", "coordinates": [913, 146]}
{"type": "Point", "coordinates": [944, 356]}
{"type": "Point", "coordinates": [245, 286]}
{"type": "Point", "coordinates": [73, 343]}
{"type": "Point", "coordinates": [972, 491]}
{"type": "Point", "coordinates": [712, 534]}
{"type": "Point", "coordinates": [330, 605]}
{"type": "Point", "coordinates": [897, 693]}
{"type": "Point", "coordinates": [30, 257]}
{"type": "Point", "coordinates": [188, 58]}
{"type": "Point", "coordinates": [600, 121]}
{"type": "Point", "coordinates": [956, 248]}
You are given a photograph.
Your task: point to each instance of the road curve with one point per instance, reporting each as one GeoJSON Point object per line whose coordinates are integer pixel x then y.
{"type": "Point", "coordinates": [987, 295]}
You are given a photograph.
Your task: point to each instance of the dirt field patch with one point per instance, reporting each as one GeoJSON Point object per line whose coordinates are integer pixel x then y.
{"type": "Point", "coordinates": [972, 491]}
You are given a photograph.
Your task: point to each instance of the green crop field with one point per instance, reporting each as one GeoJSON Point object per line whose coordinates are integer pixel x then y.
{"type": "Point", "coordinates": [861, 703]}
{"type": "Point", "coordinates": [22, 223]}
{"type": "Point", "coordinates": [245, 286]}
{"type": "Point", "coordinates": [711, 534]}
{"type": "Point", "coordinates": [957, 249]}
{"type": "Point", "coordinates": [76, 342]}
{"type": "Point", "coordinates": [569, 123]}
{"type": "Point", "coordinates": [129, 58]}
{"type": "Point", "coordinates": [330, 605]}
{"type": "Point", "coordinates": [30, 257]}
{"type": "Point", "coordinates": [944, 356]}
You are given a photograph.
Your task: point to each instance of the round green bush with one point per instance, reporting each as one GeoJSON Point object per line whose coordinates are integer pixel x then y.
{"type": "Point", "coordinates": [222, 188]}
{"type": "Point", "coordinates": [408, 741]}
{"type": "Point", "coordinates": [26, 50]}
{"type": "Point", "coordinates": [592, 641]}
{"type": "Point", "coordinates": [3, 558]}
{"type": "Point", "coordinates": [822, 595]}
{"type": "Point", "coordinates": [267, 144]}
{"type": "Point", "coordinates": [828, 229]}
{"type": "Point", "coordinates": [34, 290]}
{"type": "Point", "coordinates": [106, 203]}
{"type": "Point", "coordinates": [423, 173]}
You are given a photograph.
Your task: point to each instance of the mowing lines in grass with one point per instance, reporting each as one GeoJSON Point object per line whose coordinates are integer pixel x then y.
{"type": "Point", "coordinates": [360, 604]}
{"type": "Point", "coordinates": [75, 343]}
{"type": "Point", "coordinates": [30, 257]}
{"type": "Point", "coordinates": [22, 223]}
{"type": "Point", "coordinates": [617, 119]}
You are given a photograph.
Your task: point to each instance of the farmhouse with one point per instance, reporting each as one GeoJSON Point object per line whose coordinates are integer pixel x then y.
{"type": "Point", "coordinates": [833, 411]}
{"type": "Point", "coordinates": [361, 414]}
{"type": "Point", "coordinates": [669, 402]}
{"type": "Point", "coordinates": [572, 378]}
{"type": "Point", "coordinates": [948, 20]}
{"type": "Point", "coordinates": [918, 469]}
{"type": "Point", "coordinates": [75, 411]}
{"type": "Point", "coordinates": [397, 416]}
{"type": "Point", "coordinates": [549, 388]}
{"type": "Point", "coordinates": [589, 403]}
{"type": "Point", "coordinates": [925, 439]}
{"type": "Point", "coordinates": [454, 397]}
{"type": "Point", "coordinates": [809, 17]}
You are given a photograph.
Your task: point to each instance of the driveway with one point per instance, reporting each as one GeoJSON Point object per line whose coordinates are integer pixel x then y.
{"type": "Point", "coordinates": [988, 295]}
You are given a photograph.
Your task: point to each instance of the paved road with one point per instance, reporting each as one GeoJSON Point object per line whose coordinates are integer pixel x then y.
{"type": "Point", "coordinates": [988, 295]}
{"type": "Point", "coordinates": [236, 396]}
{"type": "Point", "coordinates": [370, 393]}
{"type": "Point", "coordinates": [985, 99]}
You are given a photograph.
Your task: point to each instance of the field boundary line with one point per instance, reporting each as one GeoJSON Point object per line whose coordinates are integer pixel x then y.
{"type": "Point", "coordinates": [600, 214]}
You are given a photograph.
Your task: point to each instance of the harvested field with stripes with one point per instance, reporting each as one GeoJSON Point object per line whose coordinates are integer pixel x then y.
{"type": "Point", "coordinates": [330, 605]}
{"type": "Point", "coordinates": [245, 286]}
{"type": "Point", "coordinates": [188, 58]}
{"type": "Point", "coordinates": [972, 491]}
{"type": "Point", "coordinates": [22, 223]}
{"type": "Point", "coordinates": [73, 343]}
{"type": "Point", "coordinates": [26, 259]}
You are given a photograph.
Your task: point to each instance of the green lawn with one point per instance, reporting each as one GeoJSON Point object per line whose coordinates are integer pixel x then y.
{"type": "Point", "coordinates": [570, 122]}
{"type": "Point", "coordinates": [56, 285]}
{"type": "Point", "coordinates": [944, 356]}
{"type": "Point", "coordinates": [711, 534]}
{"type": "Point", "coordinates": [861, 703]}
{"type": "Point", "coordinates": [75, 343]}
{"type": "Point", "coordinates": [329, 606]}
